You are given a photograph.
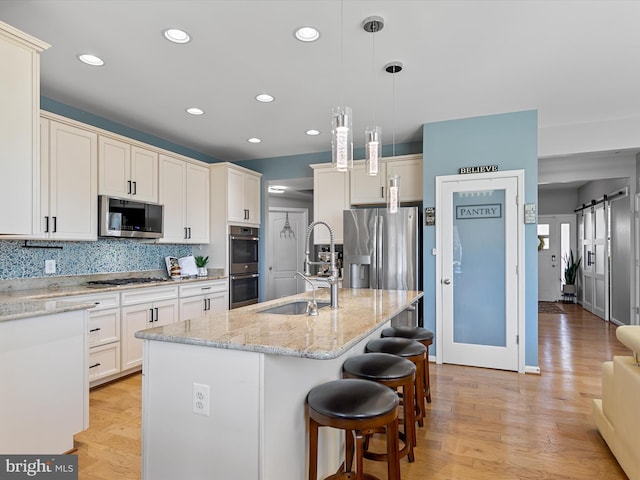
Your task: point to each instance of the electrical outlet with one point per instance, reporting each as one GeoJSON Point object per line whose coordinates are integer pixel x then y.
{"type": "Point", "coordinates": [201, 399]}
{"type": "Point", "coordinates": [49, 266]}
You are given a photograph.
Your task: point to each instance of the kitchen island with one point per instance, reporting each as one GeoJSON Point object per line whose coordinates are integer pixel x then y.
{"type": "Point", "coordinates": [224, 396]}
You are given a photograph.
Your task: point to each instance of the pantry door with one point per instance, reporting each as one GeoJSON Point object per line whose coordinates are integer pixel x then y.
{"type": "Point", "coordinates": [480, 291]}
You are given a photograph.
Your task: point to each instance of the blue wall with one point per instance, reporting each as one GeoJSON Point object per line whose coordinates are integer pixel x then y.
{"type": "Point", "coordinates": [509, 141]}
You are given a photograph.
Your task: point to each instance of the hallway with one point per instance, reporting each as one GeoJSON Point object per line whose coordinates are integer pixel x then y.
{"type": "Point", "coordinates": [482, 424]}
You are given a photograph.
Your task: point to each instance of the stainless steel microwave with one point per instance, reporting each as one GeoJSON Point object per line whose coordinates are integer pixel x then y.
{"type": "Point", "coordinates": [121, 217]}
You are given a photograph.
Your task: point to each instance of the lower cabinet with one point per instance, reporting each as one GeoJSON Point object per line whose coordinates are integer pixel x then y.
{"type": "Point", "coordinates": [197, 300]}
{"type": "Point", "coordinates": [141, 317]}
{"type": "Point", "coordinates": [104, 361]}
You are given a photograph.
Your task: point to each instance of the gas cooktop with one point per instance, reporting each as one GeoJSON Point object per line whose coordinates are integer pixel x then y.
{"type": "Point", "coordinates": [124, 281]}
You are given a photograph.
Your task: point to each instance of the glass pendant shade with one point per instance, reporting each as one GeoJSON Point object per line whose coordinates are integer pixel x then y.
{"type": "Point", "coordinates": [372, 150]}
{"type": "Point", "coordinates": [342, 139]}
{"type": "Point", "coordinates": [393, 194]}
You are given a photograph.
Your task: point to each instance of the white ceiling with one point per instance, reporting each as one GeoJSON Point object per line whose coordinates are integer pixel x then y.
{"type": "Point", "coordinates": [573, 61]}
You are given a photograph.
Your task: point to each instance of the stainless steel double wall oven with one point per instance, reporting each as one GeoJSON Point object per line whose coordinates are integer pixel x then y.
{"type": "Point", "coordinates": [243, 266]}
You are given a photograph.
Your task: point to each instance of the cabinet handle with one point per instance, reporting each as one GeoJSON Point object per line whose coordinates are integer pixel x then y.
{"type": "Point", "coordinates": [46, 224]}
{"type": "Point", "coordinates": [95, 365]}
{"type": "Point", "coordinates": [135, 188]}
{"type": "Point", "coordinates": [204, 304]}
{"type": "Point", "coordinates": [129, 187]}
{"type": "Point", "coordinates": [55, 224]}
{"type": "Point", "coordinates": [185, 233]}
{"type": "Point", "coordinates": [205, 288]}
{"type": "Point", "coordinates": [151, 310]}
{"type": "Point", "coordinates": [95, 330]}
{"type": "Point", "coordinates": [189, 232]}
{"type": "Point", "coordinates": [382, 192]}
{"type": "Point", "coordinates": [156, 309]}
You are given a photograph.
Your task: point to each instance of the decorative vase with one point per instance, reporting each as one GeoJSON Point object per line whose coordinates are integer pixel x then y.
{"type": "Point", "coordinates": [202, 272]}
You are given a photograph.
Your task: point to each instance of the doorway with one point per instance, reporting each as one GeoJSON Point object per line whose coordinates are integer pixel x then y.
{"type": "Point", "coordinates": [285, 250]}
{"type": "Point", "coordinates": [479, 285]}
{"type": "Point", "coordinates": [594, 241]}
{"type": "Point", "coordinates": [556, 237]}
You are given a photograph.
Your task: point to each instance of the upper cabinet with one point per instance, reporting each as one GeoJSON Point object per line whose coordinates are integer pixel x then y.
{"type": "Point", "coordinates": [238, 191]}
{"type": "Point", "coordinates": [68, 187]}
{"type": "Point", "coordinates": [184, 192]}
{"type": "Point", "coordinates": [127, 171]}
{"type": "Point", "coordinates": [330, 198]}
{"type": "Point", "coordinates": [372, 190]}
{"type": "Point", "coordinates": [19, 130]}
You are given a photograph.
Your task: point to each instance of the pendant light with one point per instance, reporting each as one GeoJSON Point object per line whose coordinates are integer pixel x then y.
{"type": "Point", "coordinates": [342, 119]}
{"type": "Point", "coordinates": [393, 190]}
{"type": "Point", "coordinates": [373, 134]}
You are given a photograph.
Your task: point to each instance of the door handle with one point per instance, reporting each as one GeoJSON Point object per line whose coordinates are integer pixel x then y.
{"type": "Point", "coordinates": [446, 281]}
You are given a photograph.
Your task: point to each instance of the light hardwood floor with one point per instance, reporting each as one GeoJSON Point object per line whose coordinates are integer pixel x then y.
{"type": "Point", "coordinates": [481, 424]}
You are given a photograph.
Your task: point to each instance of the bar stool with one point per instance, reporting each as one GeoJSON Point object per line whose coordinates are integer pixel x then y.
{"type": "Point", "coordinates": [411, 350]}
{"type": "Point", "coordinates": [394, 372]}
{"type": "Point", "coordinates": [358, 407]}
{"type": "Point", "coordinates": [419, 334]}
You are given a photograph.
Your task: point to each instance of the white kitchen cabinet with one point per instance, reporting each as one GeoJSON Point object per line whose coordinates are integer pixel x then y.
{"type": "Point", "coordinates": [19, 130]}
{"type": "Point", "coordinates": [372, 190]}
{"type": "Point", "coordinates": [103, 335]}
{"type": "Point", "coordinates": [199, 299]}
{"type": "Point", "coordinates": [184, 192]}
{"type": "Point", "coordinates": [409, 169]}
{"type": "Point", "coordinates": [141, 309]}
{"type": "Point", "coordinates": [330, 198]}
{"type": "Point", "coordinates": [69, 193]}
{"type": "Point", "coordinates": [127, 171]}
{"type": "Point", "coordinates": [235, 200]}
{"type": "Point", "coordinates": [237, 192]}
{"type": "Point", "coordinates": [364, 188]}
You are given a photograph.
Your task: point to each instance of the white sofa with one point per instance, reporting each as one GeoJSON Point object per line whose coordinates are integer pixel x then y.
{"type": "Point", "coordinates": [617, 415]}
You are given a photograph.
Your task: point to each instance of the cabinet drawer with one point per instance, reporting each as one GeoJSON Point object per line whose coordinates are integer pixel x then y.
{"type": "Point", "coordinates": [104, 361]}
{"type": "Point", "coordinates": [104, 327]}
{"type": "Point", "coordinates": [149, 295]}
{"type": "Point", "coordinates": [101, 300]}
{"type": "Point", "coordinates": [203, 288]}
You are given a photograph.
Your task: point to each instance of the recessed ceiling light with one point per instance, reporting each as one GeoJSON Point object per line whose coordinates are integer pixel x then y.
{"type": "Point", "coordinates": [195, 111]}
{"type": "Point", "coordinates": [264, 98]}
{"type": "Point", "coordinates": [91, 60]}
{"type": "Point", "coordinates": [253, 140]}
{"type": "Point", "coordinates": [276, 189]}
{"type": "Point", "coordinates": [313, 132]}
{"type": "Point", "coordinates": [307, 34]}
{"type": "Point", "coordinates": [176, 35]}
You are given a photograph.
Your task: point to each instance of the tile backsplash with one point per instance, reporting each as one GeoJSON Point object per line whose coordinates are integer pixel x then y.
{"type": "Point", "coordinates": [84, 258]}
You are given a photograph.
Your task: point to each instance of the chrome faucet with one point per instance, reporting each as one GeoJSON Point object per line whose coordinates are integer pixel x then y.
{"type": "Point", "coordinates": [332, 280]}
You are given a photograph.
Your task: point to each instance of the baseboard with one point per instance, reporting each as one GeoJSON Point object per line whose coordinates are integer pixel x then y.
{"type": "Point", "coordinates": [532, 370]}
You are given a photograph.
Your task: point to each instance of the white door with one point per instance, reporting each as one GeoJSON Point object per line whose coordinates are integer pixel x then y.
{"type": "Point", "coordinates": [558, 235]}
{"type": "Point", "coordinates": [480, 248]}
{"type": "Point", "coordinates": [595, 260]}
{"type": "Point", "coordinates": [285, 251]}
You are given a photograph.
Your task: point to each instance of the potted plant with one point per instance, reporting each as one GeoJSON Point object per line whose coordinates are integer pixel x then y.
{"type": "Point", "coordinates": [201, 263]}
{"type": "Point", "coordinates": [570, 273]}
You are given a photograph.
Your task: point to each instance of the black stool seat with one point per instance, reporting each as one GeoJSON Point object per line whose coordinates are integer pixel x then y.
{"type": "Point", "coordinates": [352, 399]}
{"type": "Point", "coordinates": [403, 347]}
{"type": "Point", "coordinates": [378, 366]}
{"type": "Point", "coordinates": [396, 373]}
{"type": "Point", "coordinates": [358, 407]}
{"type": "Point", "coordinates": [414, 333]}
{"type": "Point", "coordinates": [419, 334]}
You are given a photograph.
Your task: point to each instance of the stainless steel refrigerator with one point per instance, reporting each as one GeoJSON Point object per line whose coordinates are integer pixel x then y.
{"type": "Point", "coordinates": [383, 250]}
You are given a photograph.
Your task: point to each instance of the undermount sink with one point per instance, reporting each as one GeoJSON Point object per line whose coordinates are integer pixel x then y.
{"type": "Point", "coordinates": [297, 307]}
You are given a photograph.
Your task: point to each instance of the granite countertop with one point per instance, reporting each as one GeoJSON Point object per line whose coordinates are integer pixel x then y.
{"type": "Point", "coordinates": [58, 290]}
{"type": "Point", "coordinates": [325, 336]}
{"type": "Point", "coordinates": [34, 308]}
